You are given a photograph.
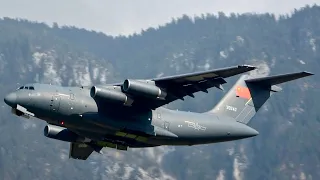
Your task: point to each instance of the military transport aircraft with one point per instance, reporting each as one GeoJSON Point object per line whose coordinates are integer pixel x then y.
{"type": "Point", "coordinates": [130, 114]}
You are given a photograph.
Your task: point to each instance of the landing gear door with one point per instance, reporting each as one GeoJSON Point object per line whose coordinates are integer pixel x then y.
{"type": "Point", "coordinates": [55, 103]}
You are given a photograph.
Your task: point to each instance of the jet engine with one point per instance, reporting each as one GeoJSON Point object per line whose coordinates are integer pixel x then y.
{"type": "Point", "coordinates": [110, 95]}
{"type": "Point", "coordinates": [61, 133]}
{"type": "Point", "coordinates": [143, 88]}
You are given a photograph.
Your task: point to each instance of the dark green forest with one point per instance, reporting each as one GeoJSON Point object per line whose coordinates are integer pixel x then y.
{"type": "Point", "coordinates": [289, 123]}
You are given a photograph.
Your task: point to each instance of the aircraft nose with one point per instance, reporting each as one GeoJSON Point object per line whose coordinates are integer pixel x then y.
{"type": "Point", "coordinates": [11, 99]}
{"type": "Point", "coordinates": [243, 131]}
{"type": "Point", "coordinates": [250, 132]}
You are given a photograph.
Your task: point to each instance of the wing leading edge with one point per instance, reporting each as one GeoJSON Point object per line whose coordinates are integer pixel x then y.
{"type": "Point", "coordinates": [198, 76]}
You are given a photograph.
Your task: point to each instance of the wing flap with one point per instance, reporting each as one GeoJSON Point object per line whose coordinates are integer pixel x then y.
{"type": "Point", "coordinates": [191, 88]}
{"type": "Point", "coordinates": [80, 151]}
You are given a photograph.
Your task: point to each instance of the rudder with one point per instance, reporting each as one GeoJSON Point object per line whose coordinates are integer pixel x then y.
{"type": "Point", "coordinates": [249, 94]}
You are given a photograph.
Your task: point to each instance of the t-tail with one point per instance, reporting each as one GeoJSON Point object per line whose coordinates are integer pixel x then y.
{"type": "Point", "coordinates": [248, 95]}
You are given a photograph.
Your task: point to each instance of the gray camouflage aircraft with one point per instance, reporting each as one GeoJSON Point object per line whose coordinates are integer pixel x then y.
{"type": "Point", "coordinates": [130, 114]}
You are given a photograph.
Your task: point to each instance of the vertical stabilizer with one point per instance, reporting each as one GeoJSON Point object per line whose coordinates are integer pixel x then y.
{"type": "Point", "coordinates": [248, 95]}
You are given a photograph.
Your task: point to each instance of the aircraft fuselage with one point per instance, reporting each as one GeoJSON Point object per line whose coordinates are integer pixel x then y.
{"type": "Point", "coordinates": [74, 108]}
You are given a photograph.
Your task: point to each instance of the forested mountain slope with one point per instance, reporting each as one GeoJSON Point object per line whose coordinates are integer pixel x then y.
{"type": "Point", "coordinates": [288, 144]}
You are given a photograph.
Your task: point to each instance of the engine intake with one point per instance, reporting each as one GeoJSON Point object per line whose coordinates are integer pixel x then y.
{"type": "Point", "coordinates": [61, 133]}
{"type": "Point", "coordinates": [143, 88]}
{"type": "Point", "coordinates": [110, 95]}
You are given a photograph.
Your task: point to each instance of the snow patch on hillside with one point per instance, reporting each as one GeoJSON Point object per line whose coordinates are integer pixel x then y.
{"type": "Point", "coordinates": [262, 68]}
{"type": "Point", "coordinates": [303, 176]}
{"type": "Point", "coordinates": [155, 154]}
{"type": "Point", "coordinates": [230, 151]}
{"type": "Point", "coordinates": [312, 43]}
{"type": "Point", "coordinates": [85, 79]}
{"type": "Point", "coordinates": [103, 76]}
{"type": "Point", "coordinates": [37, 57]}
{"type": "Point", "coordinates": [240, 163]}
{"type": "Point", "coordinates": [239, 40]}
{"type": "Point", "coordinates": [221, 175]}
{"type": "Point", "coordinates": [296, 110]}
{"type": "Point", "coordinates": [50, 74]}
{"type": "Point", "coordinates": [95, 73]}
{"type": "Point", "coordinates": [81, 71]}
{"type": "Point", "coordinates": [121, 170]}
{"type": "Point", "coordinates": [143, 175]}
{"type": "Point", "coordinates": [183, 61]}
{"type": "Point", "coordinates": [127, 172]}
{"type": "Point", "coordinates": [47, 62]}
{"type": "Point", "coordinates": [223, 54]}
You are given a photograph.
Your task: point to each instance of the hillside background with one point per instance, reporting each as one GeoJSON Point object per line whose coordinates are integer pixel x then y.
{"type": "Point", "coordinates": [288, 144]}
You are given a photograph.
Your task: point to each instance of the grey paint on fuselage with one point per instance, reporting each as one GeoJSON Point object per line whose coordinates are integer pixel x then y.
{"type": "Point", "coordinates": [77, 110]}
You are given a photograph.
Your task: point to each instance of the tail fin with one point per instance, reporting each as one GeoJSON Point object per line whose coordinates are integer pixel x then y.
{"type": "Point", "coordinates": [248, 95]}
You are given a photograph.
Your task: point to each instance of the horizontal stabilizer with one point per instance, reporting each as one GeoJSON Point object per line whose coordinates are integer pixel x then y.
{"type": "Point", "coordinates": [278, 79]}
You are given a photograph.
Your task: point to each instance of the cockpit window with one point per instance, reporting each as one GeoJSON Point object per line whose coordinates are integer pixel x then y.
{"type": "Point", "coordinates": [26, 87]}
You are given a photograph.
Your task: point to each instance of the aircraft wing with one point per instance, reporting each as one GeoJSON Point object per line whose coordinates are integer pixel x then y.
{"type": "Point", "coordinates": [179, 86]}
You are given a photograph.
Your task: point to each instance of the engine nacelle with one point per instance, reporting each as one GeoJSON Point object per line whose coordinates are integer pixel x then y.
{"type": "Point", "coordinates": [110, 95]}
{"type": "Point", "coordinates": [61, 133]}
{"type": "Point", "coordinates": [143, 88]}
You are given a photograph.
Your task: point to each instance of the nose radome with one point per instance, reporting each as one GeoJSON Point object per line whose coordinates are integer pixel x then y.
{"type": "Point", "coordinates": [11, 99]}
{"type": "Point", "coordinates": [243, 131]}
{"type": "Point", "coordinates": [250, 132]}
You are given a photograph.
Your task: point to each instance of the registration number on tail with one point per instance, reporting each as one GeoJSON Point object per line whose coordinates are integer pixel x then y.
{"type": "Point", "coordinates": [231, 108]}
